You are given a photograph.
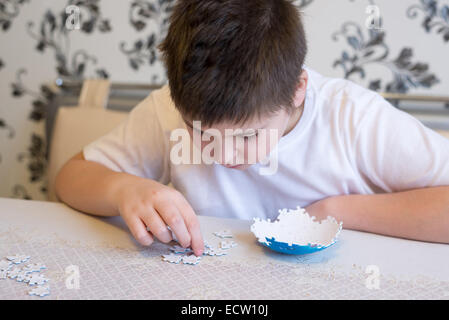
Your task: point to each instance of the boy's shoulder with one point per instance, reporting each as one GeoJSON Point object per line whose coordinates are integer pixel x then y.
{"type": "Point", "coordinates": [339, 88]}
{"type": "Point", "coordinates": [159, 106]}
{"type": "Point", "coordinates": [341, 96]}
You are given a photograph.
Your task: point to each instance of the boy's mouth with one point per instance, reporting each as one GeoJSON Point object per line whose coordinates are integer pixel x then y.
{"type": "Point", "coordinates": [239, 166]}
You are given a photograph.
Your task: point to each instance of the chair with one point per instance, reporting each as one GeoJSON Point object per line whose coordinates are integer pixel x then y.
{"type": "Point", "coordinates": [77, 126]}
{"type": "Point", "coordinates": [444, 133]}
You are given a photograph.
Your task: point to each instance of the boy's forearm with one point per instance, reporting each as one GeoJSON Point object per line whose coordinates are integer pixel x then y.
{"type": "Point", "coordinates": [89, 187]}
{"type": "Point", "coordinates": [421, 214]}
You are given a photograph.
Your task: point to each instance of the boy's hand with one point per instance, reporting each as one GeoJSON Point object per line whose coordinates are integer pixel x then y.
{"type": "Point", "coordinates": [146, 203]}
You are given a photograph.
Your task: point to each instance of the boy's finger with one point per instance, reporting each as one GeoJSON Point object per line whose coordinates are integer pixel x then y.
{"type": "Point", "coordinates": [138, 230]}
{"type": "Point", "coordinates": [193, 226]}
{"type": "Point", "coordinates": [158, 227]}
{"type": "Point", "coordinates": [173, 218]}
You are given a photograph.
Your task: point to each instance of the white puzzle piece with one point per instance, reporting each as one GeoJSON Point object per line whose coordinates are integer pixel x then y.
{"type": "Point", "coordinates": [227, 244]}
{"type": "Point", "coordinates": [23, 276]}
{"type": "Point", "coordinates": [18, 258]}
{"type": "Point", "coordinates": [192, 259]}
{"type": "Point", "coordinates": [179, 249]}
{"type": "Point", "coordinates": [172, 258]}
{"type": "Point", "coordinates": [13, 273]}
{"type": "Point", "coordinates": [5, 265]}
{"type": "Point", "coordinates": [220, 252]}
{"type": "Point", "coordinates": [209, 252]}
{"type": "Point", "coordinates": [3, 274]}
{"type": "Point", "coordinates": [40, 291]}
{"type": "Point", "coordinates": [34, 267]}
{"type": "Point", "coordinates": [214, 252]}
{"type": "Point", "coordinates": [223, 234]}
{"type": "Point", "coordinates": [37, 278]}
{"type": "Point", "coordinates": [207, 245]}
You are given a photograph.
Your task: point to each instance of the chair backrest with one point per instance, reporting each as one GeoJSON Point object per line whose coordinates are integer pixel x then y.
{"type": "Point", "coordinates": [77, 126]}
{"type": "Point", "coordinates": [444, 133]}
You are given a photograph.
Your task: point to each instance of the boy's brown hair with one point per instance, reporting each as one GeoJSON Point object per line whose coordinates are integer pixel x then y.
{"type": "Point", "coordinates": [233, 60]}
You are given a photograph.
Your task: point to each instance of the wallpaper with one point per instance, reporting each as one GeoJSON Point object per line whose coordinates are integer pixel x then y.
{"type": "Point", "coordinates": [387, 46]}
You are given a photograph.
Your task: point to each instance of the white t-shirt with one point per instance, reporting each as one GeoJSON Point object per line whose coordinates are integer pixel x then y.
{"type": "Point", "coordinates": [349, 140]}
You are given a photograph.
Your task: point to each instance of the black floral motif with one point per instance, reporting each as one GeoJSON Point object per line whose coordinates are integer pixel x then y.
{"type": "Point", "coordinates": [20, 192]}
{"type": "Point", "coordinates": [7, 127]}
{"type": "Point", "coordinates": [141, 13]}
{"type": "Point", "coordinates": [41, 99]}
{"type": "Point", "coordinates": [36, 156]}
{"type": "Point", "coordinates": [373, 50]}
{"type": "Point", "coordinates": [9, 9]}
{"type": "Point", "coordinates": [436, 17]}
{"type": "Point", "coordinates": [366, 51]}
{"type": "Point", "coordinates": [142, 51]}
{"type": "Point", "coordinates": [53, 34]}
{"type": "Point", "coordinates": [94, 20]}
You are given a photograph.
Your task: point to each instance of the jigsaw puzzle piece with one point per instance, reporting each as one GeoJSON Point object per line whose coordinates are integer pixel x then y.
{"type": "Point", "coordinates": [18, 258]}
{"type": "Point", "coordinates": [38, 279]}
{"type": "Point", "coordinates": [34, 267]}
{"type": "Point", "coordinates": [13, 273]}
{"type": "Point", "coordinates": [227, 244]}
{"type": "Point", "coordinates": [40, 291]}
{"type": "Point", "coordinates": [179, 249]}
{"type": "Point", "coordinates": [172, 258]}
{"type": "Point", "coordinates": [223, 234]}
{"type": "Point", "coordinates": [5, 265]}
{"type": "Point", "coordinates": [23, 276]}
{"type": "Point", "coordinates": [192, 259]}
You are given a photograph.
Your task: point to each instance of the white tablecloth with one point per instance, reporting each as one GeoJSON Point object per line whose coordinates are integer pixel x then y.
{"type": "Point", "coordinates": [113, 266]}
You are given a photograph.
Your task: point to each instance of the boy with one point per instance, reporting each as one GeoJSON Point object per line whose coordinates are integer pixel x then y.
{"type": "Point", "coordinates": [235, 71]}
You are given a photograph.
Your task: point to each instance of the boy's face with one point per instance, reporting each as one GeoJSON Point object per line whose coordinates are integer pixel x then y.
{"type": "Point", "coordinates": [240, 146]}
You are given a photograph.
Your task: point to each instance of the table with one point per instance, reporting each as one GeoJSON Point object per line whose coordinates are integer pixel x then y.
{"type": "Point", "coordinates": [112, 265]}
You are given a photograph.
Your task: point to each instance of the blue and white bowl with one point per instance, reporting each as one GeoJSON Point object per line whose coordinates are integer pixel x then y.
{"type": "Point", "coordinates": [296, 232]}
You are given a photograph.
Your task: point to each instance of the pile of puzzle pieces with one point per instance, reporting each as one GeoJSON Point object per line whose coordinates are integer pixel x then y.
{"type": "Point", "coordinates": [30, 274]}
{"type": "Point", "coordinates": [186, 256]}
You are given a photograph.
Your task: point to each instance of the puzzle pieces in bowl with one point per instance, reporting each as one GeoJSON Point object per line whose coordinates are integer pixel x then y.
{"type": "Point", "coordinates": [296, 232]}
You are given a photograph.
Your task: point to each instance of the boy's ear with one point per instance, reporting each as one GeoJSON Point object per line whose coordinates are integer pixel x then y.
{"type": "Point", "coordinates": [301, 89]}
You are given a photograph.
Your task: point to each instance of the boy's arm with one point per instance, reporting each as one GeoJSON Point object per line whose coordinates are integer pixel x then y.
{"type": "Point", "coordinates": [89, 186]}
{"type": "Point", "coordinates": [125, 171]}
{"type": "Point", "coordinates": [143, 203]}
{"type": "Point", "coordinates": [409, 162]}
{"type": "Point", "coordinates": [420, 214]}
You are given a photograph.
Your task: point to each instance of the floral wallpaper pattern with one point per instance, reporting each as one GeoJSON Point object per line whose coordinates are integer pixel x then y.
{"type": "Point", "coordinates": [119, 41]}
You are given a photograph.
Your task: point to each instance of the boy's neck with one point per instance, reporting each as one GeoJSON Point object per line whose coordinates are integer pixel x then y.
{"type": "Point", "coordinates": [294, 118]}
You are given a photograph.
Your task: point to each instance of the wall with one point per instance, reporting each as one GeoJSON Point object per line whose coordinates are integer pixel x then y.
{"type": "Point", "coordinates": [397, 46]}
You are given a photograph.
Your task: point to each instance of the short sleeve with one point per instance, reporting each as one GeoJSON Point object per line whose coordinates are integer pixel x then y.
{"type": "Point", "coordinates": [396, 152]}
{"type": "Point", "coordinates": [136, 146]}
